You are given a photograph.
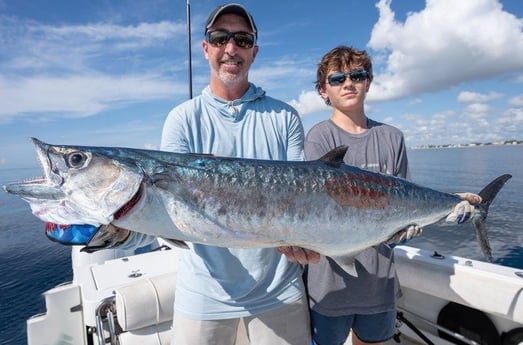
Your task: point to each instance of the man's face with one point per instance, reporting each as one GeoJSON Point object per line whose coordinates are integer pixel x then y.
{"type": "Point", "coordinates": [229, 62]}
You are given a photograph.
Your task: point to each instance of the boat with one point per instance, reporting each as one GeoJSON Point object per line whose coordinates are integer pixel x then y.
{"type": "Point", "coordinates": [129, 300]}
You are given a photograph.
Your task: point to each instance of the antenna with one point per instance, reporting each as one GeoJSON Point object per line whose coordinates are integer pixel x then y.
{"type": "Point", "coordinates": [189, 47]}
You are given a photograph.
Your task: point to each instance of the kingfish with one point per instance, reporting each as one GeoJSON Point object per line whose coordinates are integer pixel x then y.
{"type": "Point", "coordinates": [323, 205]}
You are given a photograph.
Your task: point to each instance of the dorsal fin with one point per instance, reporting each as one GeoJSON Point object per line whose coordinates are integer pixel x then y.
{"type": "Point", "coordinates": [335, 156]}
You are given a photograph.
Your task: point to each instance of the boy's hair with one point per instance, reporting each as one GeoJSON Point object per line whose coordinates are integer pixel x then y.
{"type": "Point", "coordinates": [342, 59]}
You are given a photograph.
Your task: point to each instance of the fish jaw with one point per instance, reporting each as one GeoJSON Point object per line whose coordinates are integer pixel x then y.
{"type": "Point", "coordinates": [81, 185]}
{"type": "Point", "coordinates": [36, 188]}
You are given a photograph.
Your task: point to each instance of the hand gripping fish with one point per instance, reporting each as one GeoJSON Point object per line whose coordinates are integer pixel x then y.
{"type": "Point", "coordinates": [324, 205]}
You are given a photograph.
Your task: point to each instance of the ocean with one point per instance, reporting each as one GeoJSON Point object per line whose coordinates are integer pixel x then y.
{"type": "Point", "coordinates": [31, 264]}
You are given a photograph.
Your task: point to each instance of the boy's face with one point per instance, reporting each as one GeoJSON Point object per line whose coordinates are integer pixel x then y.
{"type": "Point", "coordinates": [346, 89]}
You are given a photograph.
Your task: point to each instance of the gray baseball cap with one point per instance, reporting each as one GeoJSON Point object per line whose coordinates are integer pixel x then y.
{"type": "Point", "coordinates": [231, 8]}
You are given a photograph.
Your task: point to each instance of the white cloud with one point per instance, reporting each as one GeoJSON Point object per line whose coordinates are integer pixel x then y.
{"type": "Point", "coordinates": [277, 75]}
{"type": "Point", "coordinates": [512, 116]}
{"type": "Point", "coordinates": [470, 97]}
{"type": "Point", "coordinates": [511, 121]}
{"type": "Point", "coordinates": [81, 70]}
{"type": "Point", "coordinates": [79, 95]}
{"type": "Point", "coordinates": [447, 43]}
{"type": "Point", "coordinates": [143, 32]}
{"type": "Point", "coordinates": [477, 109]}
{"type": "Point", "coordinates": [309, 102]}
{"type": "Point", "coordinates": [476, 122]}
{"type": "Point", "coordinates": [34, 46]}
{"type": "Point", "coordinates": [516, 101]}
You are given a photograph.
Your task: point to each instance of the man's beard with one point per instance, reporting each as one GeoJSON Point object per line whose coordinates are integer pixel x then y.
{"type": "Point", "coordinates": [231, 78]}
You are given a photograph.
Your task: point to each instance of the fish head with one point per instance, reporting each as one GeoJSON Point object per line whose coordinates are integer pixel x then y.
{"type": "Point", "coordinates": [81, 185]}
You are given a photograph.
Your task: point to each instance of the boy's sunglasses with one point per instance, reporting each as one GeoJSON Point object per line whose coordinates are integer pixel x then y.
{"type": "Point", "coordinates": [339, 78]}
{"type": "Point", "coordinates": [220, 38]}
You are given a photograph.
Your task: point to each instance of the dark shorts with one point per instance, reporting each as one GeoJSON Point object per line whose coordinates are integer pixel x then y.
{"type": "Point", "coordinates": [374, 328]}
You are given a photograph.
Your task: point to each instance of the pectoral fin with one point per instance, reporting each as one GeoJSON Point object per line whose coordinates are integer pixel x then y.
{"type": "Point", "coordinates": [347, 264]}
{"type": "Point", "coordinates": [177, 243]}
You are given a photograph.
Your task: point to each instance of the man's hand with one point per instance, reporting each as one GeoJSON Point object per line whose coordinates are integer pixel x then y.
{"type": "Point", "coordinates": [405, 235]}
{"type": "Point", "coordinates": [301, 255]}
{"type": "Point", "coordinates": [464, 209]}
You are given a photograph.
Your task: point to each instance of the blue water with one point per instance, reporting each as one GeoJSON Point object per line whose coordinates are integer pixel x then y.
{"type": "Point", "coordinates": [470, 169]}
{"type": "Point", "coordinates": [31, 264]}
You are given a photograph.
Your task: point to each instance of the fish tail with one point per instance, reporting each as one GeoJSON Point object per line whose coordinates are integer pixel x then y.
{"type": "Point", "coordinates": [479, 217]}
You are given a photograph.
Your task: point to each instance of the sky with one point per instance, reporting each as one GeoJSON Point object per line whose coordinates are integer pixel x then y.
{"type": "Point", "coordinates": [107, 72]}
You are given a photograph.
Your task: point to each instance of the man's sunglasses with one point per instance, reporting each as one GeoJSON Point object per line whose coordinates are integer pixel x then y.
{"type": "Point", "coordinates": [220, 38]}
{"type": "Point", "coordinates": [339, 78]}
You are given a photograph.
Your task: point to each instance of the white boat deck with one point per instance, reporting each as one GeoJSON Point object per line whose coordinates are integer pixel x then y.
{"type": "Point", "coordinates": [132, 299]}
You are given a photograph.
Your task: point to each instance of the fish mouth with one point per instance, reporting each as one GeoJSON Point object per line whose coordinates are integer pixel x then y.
{"type": "Point", "coordinates": [62, 196]}
{"type": "Point", "coordinates": [46, 186]}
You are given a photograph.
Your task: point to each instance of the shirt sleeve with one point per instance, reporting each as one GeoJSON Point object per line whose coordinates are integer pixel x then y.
{"type": "Point", "coordinates": [402, 163]}
{"type": "Point", "coordinates": [295, 141]}
{"type": "Point", "coordinates": [174, 138]}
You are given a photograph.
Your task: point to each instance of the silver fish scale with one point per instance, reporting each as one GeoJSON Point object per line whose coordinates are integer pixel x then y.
{"type": "Point", "coordinates": [272, 199]}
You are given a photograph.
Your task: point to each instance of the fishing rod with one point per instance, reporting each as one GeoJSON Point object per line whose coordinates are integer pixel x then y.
{"type": "Point", "coordinates": [189, 47]}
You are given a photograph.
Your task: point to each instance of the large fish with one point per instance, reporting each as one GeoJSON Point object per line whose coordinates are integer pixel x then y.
{"type": "Point", "coordinates": [323, 205]}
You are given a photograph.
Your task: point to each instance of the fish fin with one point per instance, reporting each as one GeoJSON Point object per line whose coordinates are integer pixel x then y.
{"type": "Point", "coordinates": [479, 216]}
{"type": "Point", "coordinates": [488, 193]}
{"type": "Point", "coordinates": [177, 243]}
{"type": "Point", "coordinates": [347, 264]}
{"type": "Point", "coordinates": [162, 181]}
{"type": "Point", "coordinates": [335, 156]}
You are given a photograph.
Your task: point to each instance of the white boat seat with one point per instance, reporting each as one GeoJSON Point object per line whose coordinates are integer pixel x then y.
{"type": "Point", "coordinates": [153, 335]}
{"type": "Point", "coordinates": [148, 302]}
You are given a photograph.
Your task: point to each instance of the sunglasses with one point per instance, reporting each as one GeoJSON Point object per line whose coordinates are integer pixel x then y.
{"type": "Point", "coordinates": [220, 38]}
{"type": "Point", "coordinates": [339, 78]}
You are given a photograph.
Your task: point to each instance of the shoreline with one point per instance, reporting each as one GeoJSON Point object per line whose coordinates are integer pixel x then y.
{"type": "Point", "coordinates": [460, 146]}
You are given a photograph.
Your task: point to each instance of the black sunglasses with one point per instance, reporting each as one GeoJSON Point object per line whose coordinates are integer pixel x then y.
{"type": "Point", "coordinates": [220, 38]}
{"type": "Point", "coordinates": [339, 78]}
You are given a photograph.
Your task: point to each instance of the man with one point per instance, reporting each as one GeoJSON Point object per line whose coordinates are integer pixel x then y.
{"type": "Point", "coordinates": [217, 288]}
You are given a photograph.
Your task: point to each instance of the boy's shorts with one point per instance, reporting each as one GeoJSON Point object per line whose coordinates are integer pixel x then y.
{"type": "Point", "coordinates": [373, 328]}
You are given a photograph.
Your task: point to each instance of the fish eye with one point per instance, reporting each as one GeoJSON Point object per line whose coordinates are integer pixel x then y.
{"type": "Point", "coordinates": [76, 159]}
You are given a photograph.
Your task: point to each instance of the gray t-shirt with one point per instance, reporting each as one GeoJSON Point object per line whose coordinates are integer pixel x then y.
{"type": "Point", "coordinates": [333, 292]}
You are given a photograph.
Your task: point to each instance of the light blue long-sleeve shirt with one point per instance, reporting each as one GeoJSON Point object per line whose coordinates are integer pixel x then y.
{"type": "Point", "coordinates": [221, 283]}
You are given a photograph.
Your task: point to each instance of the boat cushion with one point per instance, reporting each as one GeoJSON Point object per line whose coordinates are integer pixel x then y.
{"type": "Point", "coordinates": [147, 302]}
{"type": "Point", "coordinates": [153, 335]}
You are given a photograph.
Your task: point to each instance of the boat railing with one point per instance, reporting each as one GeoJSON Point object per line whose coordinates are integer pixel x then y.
{"type": "Point", "coordinates": [105, 321]}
